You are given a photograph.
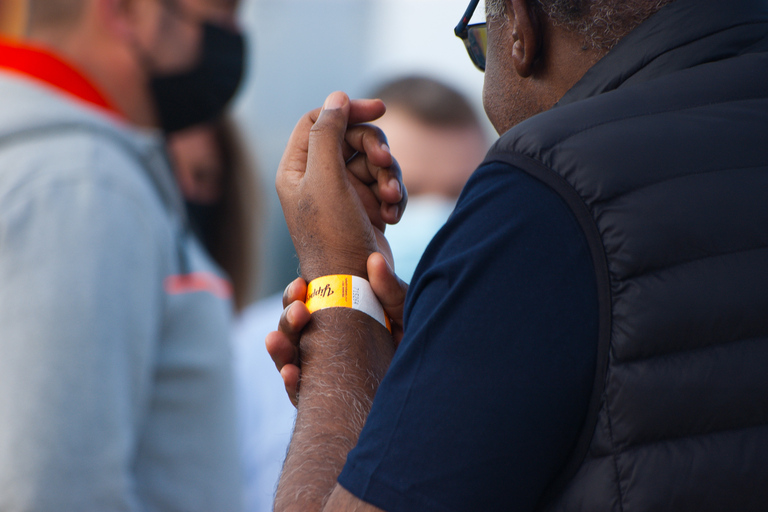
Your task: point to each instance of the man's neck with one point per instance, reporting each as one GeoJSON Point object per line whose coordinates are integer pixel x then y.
{"type": "Point", "coordinates": [567, 60]}
{"type": "Point", "coordinates": [108, 64]}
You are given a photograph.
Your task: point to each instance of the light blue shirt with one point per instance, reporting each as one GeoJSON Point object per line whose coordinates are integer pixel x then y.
{"type": "Point", "coordinates": [266, 415]}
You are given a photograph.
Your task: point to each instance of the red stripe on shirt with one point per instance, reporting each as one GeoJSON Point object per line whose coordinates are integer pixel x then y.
{"type": "Point", "coordinates": [45, 66]}
{"type": "Point", "coordinates": [198, 282]}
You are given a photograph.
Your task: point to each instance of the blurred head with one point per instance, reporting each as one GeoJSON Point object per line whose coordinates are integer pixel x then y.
{"type": "Point", "coordinates": [215, 173]}
{"type": "Point", "coordinates": [538, 49]}
{"type": "Point", "coordinates": [128, 46]}
{"type": "Point", "coordinates": [434, 134]}
{"type": "Point", "coordinates": [437, 139]}
{"type": "Point", "coordinates": [199, 162]}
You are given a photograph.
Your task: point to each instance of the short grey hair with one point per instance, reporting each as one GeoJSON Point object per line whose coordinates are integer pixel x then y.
{"type": "Point", "coordinates": [602, 23]}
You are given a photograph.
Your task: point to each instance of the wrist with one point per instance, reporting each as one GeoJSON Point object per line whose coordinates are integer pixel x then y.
{"type": "Point", "coordinates": [344, 348]}
{"type": "Point", "coordinates": [319, 266]}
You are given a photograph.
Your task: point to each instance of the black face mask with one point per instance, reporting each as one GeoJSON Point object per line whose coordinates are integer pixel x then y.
{"type": "Point", "coordinates": [201, 94]}
{"type": "Point", "coordinates": [203, 218]}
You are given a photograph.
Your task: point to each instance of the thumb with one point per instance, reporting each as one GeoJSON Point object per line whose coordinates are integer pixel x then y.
{"type": "Point", "coordinates": [390, 290]}
{"type": "Point", "coordinates": [326, 139]}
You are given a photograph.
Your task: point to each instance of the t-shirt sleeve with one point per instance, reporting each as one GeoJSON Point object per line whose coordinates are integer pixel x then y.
{"type": "Point", "coordinates": [487, 392]}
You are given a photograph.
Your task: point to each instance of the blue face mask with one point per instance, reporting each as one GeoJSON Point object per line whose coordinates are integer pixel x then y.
{"type": "Point", "coordinates": [422, 219]}
{"type": "Point", "coordinates": [201, 94]}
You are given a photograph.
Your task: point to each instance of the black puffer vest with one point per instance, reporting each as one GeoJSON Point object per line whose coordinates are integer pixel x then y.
{"type": "Point", "coordinates": [661, 151]}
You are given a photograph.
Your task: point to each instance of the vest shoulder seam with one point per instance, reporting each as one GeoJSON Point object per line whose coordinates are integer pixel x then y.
{"type": "Point", "coordinates": [719, 432]}
{"type": "Point", "coordinates": [678, 264]}
{"type": "Point", "coordinates": [650, 184]}
{"type": "Point", "coordinates": [677, 108]}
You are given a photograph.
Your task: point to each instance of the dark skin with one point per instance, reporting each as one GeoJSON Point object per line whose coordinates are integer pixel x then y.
{"type": "Point", "coordinates": [334, 166]}
{"type": "Point", "coordinates": [344, 354]}
{"type": "Point", "coordinates": [367, 179]}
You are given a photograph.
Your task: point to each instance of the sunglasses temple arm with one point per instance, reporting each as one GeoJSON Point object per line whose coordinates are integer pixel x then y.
{"type": "Point", "coordinates": [461, 28]}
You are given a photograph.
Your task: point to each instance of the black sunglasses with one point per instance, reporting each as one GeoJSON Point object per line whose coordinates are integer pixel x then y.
{"type": "Point", "coordinates": [475, 36]}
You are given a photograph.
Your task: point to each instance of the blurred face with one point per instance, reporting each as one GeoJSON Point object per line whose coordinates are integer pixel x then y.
{"type": "Point", "coordinates": [170, 31]}
{"type": "Point", "coordinates": [198, 163]}
{"type": "Point", "coordinates": [434, 160]}
{"type": "Point", "coordinates": [190, 55]}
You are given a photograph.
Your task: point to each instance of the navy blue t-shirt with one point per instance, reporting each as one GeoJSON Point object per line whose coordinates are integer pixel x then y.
{"type": "Point", "coordinates": [489, 388]}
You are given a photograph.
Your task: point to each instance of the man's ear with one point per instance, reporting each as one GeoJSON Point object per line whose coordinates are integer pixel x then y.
{"type": "Point", "coordinates": [526, 32]}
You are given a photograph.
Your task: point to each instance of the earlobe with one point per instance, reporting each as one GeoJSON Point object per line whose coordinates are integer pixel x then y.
{"type": "Point", "coordinates": [527, 37]}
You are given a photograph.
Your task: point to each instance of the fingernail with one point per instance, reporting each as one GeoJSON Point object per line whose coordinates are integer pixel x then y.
{"type": "Point", "coordinates": [384, 147]}
{"type": "Point", "coordinates": [394, 210]}
{"type": "Point", "coordinates": [395, 184]}
{"type": "Point", "coordinates": [334, 101]}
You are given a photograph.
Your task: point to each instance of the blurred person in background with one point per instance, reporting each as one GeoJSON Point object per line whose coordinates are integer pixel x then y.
{"type": "Point", "coordinates": [437, 138]}
{"type": "Point", "coordinates": [116, 388]}
{"type": "Point", "coordinates": [588, 331]}
{"type": "Point", "coordinates": [217, 178]}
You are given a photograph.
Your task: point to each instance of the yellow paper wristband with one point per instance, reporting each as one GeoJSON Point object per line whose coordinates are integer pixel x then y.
{"type": "Point", "coordinates": [344, 291]}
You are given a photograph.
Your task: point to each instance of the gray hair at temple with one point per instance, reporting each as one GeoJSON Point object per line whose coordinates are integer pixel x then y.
{"type": "Point", "coordinates": [602, 23]}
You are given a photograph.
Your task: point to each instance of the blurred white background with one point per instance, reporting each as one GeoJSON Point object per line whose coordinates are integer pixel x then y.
{"type": "Point", "coordinates": [302, 50]}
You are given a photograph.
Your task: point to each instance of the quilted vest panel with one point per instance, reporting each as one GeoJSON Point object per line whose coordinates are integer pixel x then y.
{"type": "Point", "coordinates": [669, 180]}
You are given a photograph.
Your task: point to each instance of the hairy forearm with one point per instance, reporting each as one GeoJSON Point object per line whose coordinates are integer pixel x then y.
{"type": "Point", "coordinates": [344, 355]}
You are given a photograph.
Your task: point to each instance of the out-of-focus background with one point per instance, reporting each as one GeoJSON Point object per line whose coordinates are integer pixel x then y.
{"type": "Point", "coordinates": [301, 50]}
